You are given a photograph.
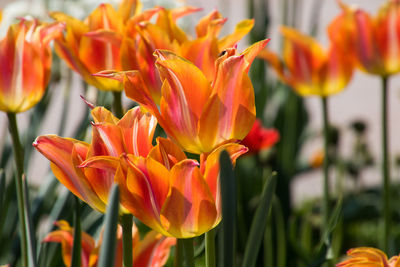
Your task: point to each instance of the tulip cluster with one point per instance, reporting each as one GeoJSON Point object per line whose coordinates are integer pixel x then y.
{"type": "Point", "coordinates": [197, 89]}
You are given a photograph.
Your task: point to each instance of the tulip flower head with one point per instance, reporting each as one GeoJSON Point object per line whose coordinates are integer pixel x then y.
{"type": "Point", "coordinates": [260, 138]}
{"type": "Point", "coordinates": [310, 70]}
{"type": "Point", "coordinates": [25, 60]}
{"type": "Point", "coordinates": [372, 42]}
{"type": "Point", "coordinates": [152, 250]}
{"type": "Point", "coordinates": [171, 194]}
{"type": "Point", "coordinates": [83, 47]}
{"type": "Point", "coordinates": [110, 137]}
{"type": "Point", "coordinates": [366, 256]}
{"type": "Point", "coordinates": [197, 115]}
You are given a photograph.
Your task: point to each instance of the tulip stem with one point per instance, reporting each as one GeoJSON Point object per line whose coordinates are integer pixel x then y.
{"type": "Point", "coordinates": [385, 166]}
{"type": "Point", "coordinates": [127, 223]}
{"type": "Point", "coordinates": [117, 104]}
{"type": "Point", "coordinates": [325, 207]}
{"type": "Point", "coordinates": [19, 161]}
{"type": "Point", "coordinates": [188, 251]}
{"type": "Point", "coordinates": [178, 253]}
{"type": "Point", "coordinates": [210, 248]}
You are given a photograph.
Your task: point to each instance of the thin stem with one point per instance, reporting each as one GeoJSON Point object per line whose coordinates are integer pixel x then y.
{"type": "Point", "coordinates": [188, 251]}
{"type": "Point", "coordinates": [127, 222]}
{"type": "Point", "coordinates": [385, 166]}
{"type": "Point", "coordinates": [117, 104]}
{"type": "Point", "coordinates": [19, 161]}
{"type": "Point", "coordinates": [325, 208]}
{"type": "Point", "coordinates": [77, 243]}
{"type": "Point", "coordinates": [178, 254]}
{"type": "Point", "coordinates": [210, 248]}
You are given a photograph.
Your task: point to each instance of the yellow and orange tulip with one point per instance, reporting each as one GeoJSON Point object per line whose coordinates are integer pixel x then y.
{"type": "Point", "coordinates": [171, 194]}
{"type": "Point", "coordinates": [25, 59]}
{"type": "Point", "coordinates": [372, 42]}
{"type": "Point", "coordinates": [197, 115]}
{"type": "Point", "coordinates": [132, 134]}
{"type": "Point", "coordinates": [366, 256]}
{"type": "Point", "coordinates": [83, 47]}
{"type": "Point", "coordinates": [310, 69]}
{"type": "Point", "coordinates": [164, 34]}
{"type": "Point", "coordinates": [152, 250]}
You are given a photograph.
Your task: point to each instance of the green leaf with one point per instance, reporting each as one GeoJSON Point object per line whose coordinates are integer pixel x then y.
{"type": "Point", "coordinates": [226, 240]}
{"type": "Point", "coordinates": [108, 247]}
{"type": "Point", "coordinates": [259, 223]}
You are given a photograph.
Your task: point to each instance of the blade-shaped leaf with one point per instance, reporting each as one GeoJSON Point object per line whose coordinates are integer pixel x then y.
{"type": "Point", "coordinates": [107, 250]}
{"type": "Point", "coordinates": [259, 222]}
{"type": "Point", "coordinates": [226, 240]}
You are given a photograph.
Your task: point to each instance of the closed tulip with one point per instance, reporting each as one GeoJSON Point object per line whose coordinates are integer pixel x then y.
{"type": "Point", "coordinates": [25, 59]}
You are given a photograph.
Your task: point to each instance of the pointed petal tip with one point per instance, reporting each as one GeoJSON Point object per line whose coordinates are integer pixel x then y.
{"type": "Point", "coordinates": [90, 105]}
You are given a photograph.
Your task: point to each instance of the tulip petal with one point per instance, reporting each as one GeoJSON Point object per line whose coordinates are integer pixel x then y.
{"type": "Point", "coordinates": [153, 250]}
{"type": "Point", "coordinates": [189, 209]}
{"type": "Point", "coordinates": [66, 155]}
{"type": "Point", "coordinates": [145, 190]}
{"type": "Point", "coordinates": [138, 130]}
{"type": "Point", "coordinates": [241, 29]}
{"type": "Point", "coordinates": [101, 114]}
{"type": "Point", "coordinates": [167, 153]}
{"type": "Point", "coordinates": [65, 237]}
{"type": "Point", "coordinates": [235, 101]}
{"type": "Point", "coordinates": [180, 95]}
{"type": "Point", "coordinates": [204, 24]}
{"type": "Point", "coordinates": [100, 172]}
{"type": "Point", "coordinates": [210, 168]}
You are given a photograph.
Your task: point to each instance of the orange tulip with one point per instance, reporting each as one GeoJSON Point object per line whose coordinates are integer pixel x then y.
{"type": "Point", "coordinates": [132, 134]}
{"type": "Point", "coordinates": [197, 115]}
{"type": "Point", "coordinates": [152, 250]}
{"type": "Point", "coordinates": [25, 59]}
{"type": "Point", "coordinates": [202, 51]}
{"type": "Point", "coordinates": [83, 47]}
{"type": "Point", "coordinates": [372, 42]}
{"type": "Point", "coordinates": [310, 70]}
{"type": "Point", "coordinates": [365, 256]}
{"type": "Point", "coordinates": [168, 192]}
{"type": "Point", "coordinates": [260, 138]}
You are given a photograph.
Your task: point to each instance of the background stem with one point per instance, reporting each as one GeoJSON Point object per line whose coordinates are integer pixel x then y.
{"type": "Point", "coordinates": [117, 104]}
{"type": "Point", "coordinates": [325, 208]}
{"type": "Point", "coordinates": [385, 167]}
{"type": "Point", "coordinates": [19, 162]}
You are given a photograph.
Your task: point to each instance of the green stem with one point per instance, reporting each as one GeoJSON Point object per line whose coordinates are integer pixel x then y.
{"type": "Point", "coordinates": [117, 104]}
{"type": "Point", "coordinates": [19, 161]}
{"type": "Point", "coordinates": [188, 251]}
{"type": "Point", "coordinates": [77, 243]}
{"type": "Point", "coordinates": [127, 222]}
{"type": "Point", "coordinates": [385, 166]}
{"type": "Point", "coordinates": [178, 253]}
{"type": "Point", "coordinates": [325, 208]}
{"type": "Point", "coordinates": [210, 248]}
